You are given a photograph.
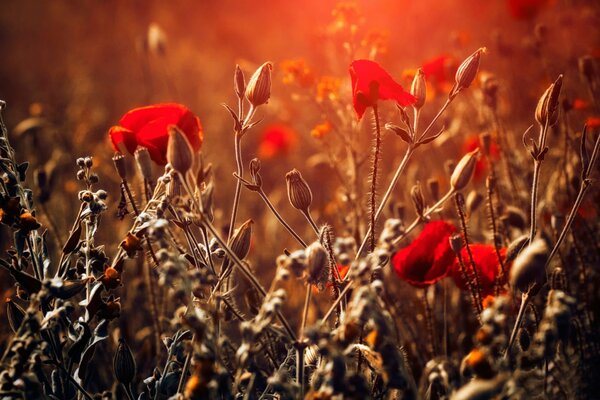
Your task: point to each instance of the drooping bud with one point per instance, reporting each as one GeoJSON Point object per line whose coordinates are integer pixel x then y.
{"type": "Point", "coordinates": [120, 165]}
{"type": "Point", "coordinates": [124, 363]}
{"type": "Point", "coordinates": [465, 75]}
{"type": "Point", "coordinates": [299, 192]}
{"type": "Point", "coordinates": [464, 170]}
{"type": "Point", "coordinates": [239, 82]}
{"type": "Point", "coordinates": [529, 267]}
{"type": "Point", "coordinates": [316, 264]}
{"type": "Point", "coordinates": [144, 162]}
{"type": "Point", "coordinates": [546, 112]}
{"type": "Point", "coordinates": [240, 241]}
{"type": "Point", "coordinates": [419, 89]}
{"type": "Point", "coordinates": [258, 90]}
{"type": "Point", "coordinates": [179, 152]}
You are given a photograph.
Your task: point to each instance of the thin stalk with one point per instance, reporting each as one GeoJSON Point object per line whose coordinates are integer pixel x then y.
{"type": "Point", "coordinates": [463, 221]}
{"type": "Point", "coordinates": [129, 392]}
{"type": "Point", "coordinates": [238, 184]}
{"type": "Point", "coordinates": [311, 221]}
{"type": "Point", "coordinates": [374, 171]}
{"type": "Point", "coordinates": [437, 116]}
{"type": "Point", "coordinates": [307, 297]}
{"type": "Point", "coordinates": [300, 347]}
{"type": "Point", "coordinates": [534, 193]}
{"type": "Point", "coordinates": [429, 322]}
{"type": "Point", "coordinates": [524, 301]}
{"type": "Point", "coordinates": [186, 365]}
{"type": "Point", "coordinates": [280, 218]}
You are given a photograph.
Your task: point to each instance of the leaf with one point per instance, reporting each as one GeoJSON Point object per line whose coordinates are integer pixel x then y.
{"type": "Point", "coordinates": [73, 240]}
{"type": "Point", "coordinates": [432, 138]}
{"type": "Point", "coordinates": [100, 334]}
{"type": "Point", "coordinates": [403, 133]}
{"type": "Point", "coordinates": [237, 125]}
{"type": "Point", "coordinates": [22, 170]}
{"type": "Point", "coordinates": [585, 158]}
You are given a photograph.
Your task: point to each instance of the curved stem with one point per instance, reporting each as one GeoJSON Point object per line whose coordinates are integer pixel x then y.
{"type": "Point", "coordinates": [437, 116]}
{"type": "Point", "coordinates": [311, 221]}
{"type": "Point", "coordinates": [280, 218]}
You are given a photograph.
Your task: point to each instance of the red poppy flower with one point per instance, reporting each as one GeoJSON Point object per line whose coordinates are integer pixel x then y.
{"type": "Point", "coordinates": [370, 82]}
{"type": "Point", "coordinates": [437, 69]}
{"type": "Point", "coordinates": [277, 140]}
{"type": "Point", "coordinates": [147, 127]}
{"type": "Point", "coordinates": [527, 9]}
{"type": "Point", "coordinates": [486, 262]}
{"type": "Point", "coordinates": [428, 258]}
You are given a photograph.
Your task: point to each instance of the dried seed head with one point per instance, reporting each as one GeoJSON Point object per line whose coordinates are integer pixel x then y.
{"type": "Point", "coordinates": [456, 243]}
{"type": "Point", "coordinates": [258, 90]}
{"type": "Point", "coordinates": [529, 267]}
{"type": "Point", "coordinates": [15, 314]}
{"type": "Point", "coordinates": [547, 108]}
{"type": "Point", "coordinates": [298, 191]}
{"type": "Point", "coordinates": [464, 170]}
{"type": "Point", "coordinates": [179, 151]}
{"type": "Point", "coordinates": [144, 162]}
{"type": "Point", "coordinates": [468, 70]}
{"type": "Point", "coordinates": [474, 200]}
{"type": "Point", "coordinates": [124, 363]}
{"type": "Point", "coordinates": [419, 88]}
{"type": "Point", "coordinates": [316, 264]}
{"type": "Point", "coordinates": [239, 82]}
{"type": "Point", "coordinates": [120, 165]}
{"type": "Point", "coordinates": [240, 241]}
{"type": "Point", "coordinates": [417, 197]}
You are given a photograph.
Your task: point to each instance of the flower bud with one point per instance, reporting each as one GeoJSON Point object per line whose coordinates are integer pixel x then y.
{"type": "Point", "coordinates": [239, 82]}
{"type": "Point", "coordinates": [298, 191]}
{"type": "Point", "coordinates": [144, 162]}
{"type": "Point", "coordinates": [258, 90]}
{"type": "Point", "coordinates": [124, 363]}
{"type": "Point", "coordinates": [120, 165]}
{"type": "Point", "coordinates": [240, 241]}
{"type": "Point", "coordinates": [417, 197]}
{"type": "Point", "coordinates": [179, 152]}
{"type": "Point", "coordinates": [465, 75]}
{"type": "Point", "coordinates": [529, 267]}
{"type": "Point", "coordinates": [546, 112]}
{"type": "Point", "coordinates": [419, 88]}
{"type": "Point", "coordinates": [316, 263]}
{"type": "Point", "coordinates": [464, 170]}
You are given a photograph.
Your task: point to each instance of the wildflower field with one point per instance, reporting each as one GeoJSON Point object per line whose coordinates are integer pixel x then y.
{"type": "Point", "coordinates": [238, 199]}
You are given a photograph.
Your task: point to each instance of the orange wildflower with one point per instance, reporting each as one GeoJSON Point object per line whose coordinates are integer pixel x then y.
{"type": "Point", "coordinates": [320, 130]}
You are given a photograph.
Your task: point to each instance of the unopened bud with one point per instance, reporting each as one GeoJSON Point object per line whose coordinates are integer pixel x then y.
{"type": "Point", "coordinates": [240, 241]}
{"type": "Point", "coordinates": [316, 263]}
{"type": "Point", "coordinates": [417, 197]}
{"type": "Point", "coordinates": [239, 82]}
{"type": "Point", "coordinates": [298, 191]}
{"type": "Point", "coordinates": [258, 90]}
{"type": "Point", "coordinates": [179, 152]}
{"type": "Point", "coordinates": [144, 162]}
{"type": "Point", "coordinates": [120, 165]}
{"type": "Point", "coordinates": [546, 112]}
{"type": "Point", "coordinates": [419, 88]}
{"type": "Point", "coordinates": [124, 363]}
{"type": "Point", "coordinates": [464, 170]}
{"type": "Point", "coordinates": [529, 267]}
{"type": "Point", "coordinates": [465, 75]}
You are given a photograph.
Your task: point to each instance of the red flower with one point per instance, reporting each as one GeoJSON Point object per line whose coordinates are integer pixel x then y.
{"type": "Point", "coordinates": [486, 262]}
{"type": "Point", "coordinates": [527, 9]}
{"type": "Point", "coordinates": [593, 122]}
{"type": "Point", "coordinates": [276, 140]}
{"type": "Point", "coordinates": [437, 69]}
{"type": "Point", "coordinates": [370, 82]}
{"type": "Point", "coordinates": [428, 258]}
{"type": "Point", "coordinates": [147, 127]}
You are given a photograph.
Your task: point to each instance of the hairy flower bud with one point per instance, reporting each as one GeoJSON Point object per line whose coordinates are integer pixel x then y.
{"type": "Point", "coordinates": [419, 88]}
{"type": "Point", "coordinates": [316, 263]}
{"type": "Point", "coordinates": [120, 165]}
{"type": "Point", "coordinates": [239, 82]}
{"type": "Point", "coordinates": [465, 74]}
{"type": "Point", "coordinates": [464, 170]}
{"type": "Point", "coordinates": [240, 241]}
{"type": "Point", "coordinates": [546, 112]}
{"type": "Point", "coordinates": [144, 162]}
{"type": "Point", "coordinates": [124, 363]}
{"type": "Point", "coordinates": [298, 191]}
{"type": "Point", "coordinates": [179, 151]}
{"type": "Point", "coordinates": [258, 90]}
{"type": "Point", "coordinates": [529, 267]}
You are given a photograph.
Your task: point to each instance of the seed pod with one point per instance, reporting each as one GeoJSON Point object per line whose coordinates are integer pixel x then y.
{"type": "Point", "coordinates": [468, 70]}
{"type": "Point", "coordinates": [464, 170]}
{"type": "Point", "coordinates": [240, 241]}
{"type": "Point", "coordinates": [120, 165]}
{"type": "Point", "coordinates": [179, 152]}
{"type": "Point", "coordinates": [316, 263]}
{"type": "Point", "coordinates": [144, 162]}
{"type": "Point", "coordinates": [419, 89]}
{"type": "Point", "coordinates": [15, 314]}
{"type": "Point", "coordinates": [515, 247]}
{"type": "Point", "coordinates": [239, 82]}
{"type": "Point", "coordinates": [547, 108]}
{"type": "Point", "coordinates": [299, 192]}
{"type": "Point", "coordinates": [124, 363]}
{"type": "Point", "coordinates": [258, 90]}
{"type": "Point", "coordinates": [529, 267]}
